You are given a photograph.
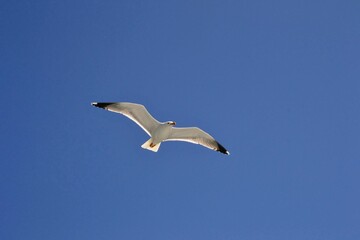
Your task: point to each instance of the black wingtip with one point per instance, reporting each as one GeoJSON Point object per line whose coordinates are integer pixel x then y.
{"type": "Point", "coordinates": [222, 149]}
{"type": "Point", "coordinates": [100, 105]}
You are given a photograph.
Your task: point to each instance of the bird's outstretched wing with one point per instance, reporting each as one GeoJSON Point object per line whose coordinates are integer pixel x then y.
{"type": "Point", "coordinates": [135, 112]}
{"type": "Point", "coordinates": [197, 136]}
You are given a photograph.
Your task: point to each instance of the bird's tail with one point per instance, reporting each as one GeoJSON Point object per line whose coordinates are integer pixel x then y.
{"type": "Point", "coordinates": [150, 146]}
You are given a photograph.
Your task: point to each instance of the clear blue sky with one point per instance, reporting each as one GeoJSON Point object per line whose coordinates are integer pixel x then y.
{"type": "Point", "coordinates": [275, 82]}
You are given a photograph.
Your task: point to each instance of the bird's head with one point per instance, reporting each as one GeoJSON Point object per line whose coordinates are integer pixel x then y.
{"type": "Point", "coordinates": [172, 123]}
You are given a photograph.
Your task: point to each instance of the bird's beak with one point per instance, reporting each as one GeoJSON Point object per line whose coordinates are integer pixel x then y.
{"type": "Point", "coordinates": [173, 123]}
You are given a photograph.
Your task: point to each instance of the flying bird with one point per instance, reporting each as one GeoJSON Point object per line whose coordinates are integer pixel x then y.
{"type": "Point", "coordinates": [161, 131]}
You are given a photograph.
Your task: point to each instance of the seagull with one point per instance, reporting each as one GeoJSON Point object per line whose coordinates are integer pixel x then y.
{"type": "Point", "coordinates": [161, 131]}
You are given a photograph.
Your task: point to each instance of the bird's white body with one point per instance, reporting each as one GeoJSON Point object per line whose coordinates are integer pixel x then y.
{"type": "Point", "coordinates": [160, 132]}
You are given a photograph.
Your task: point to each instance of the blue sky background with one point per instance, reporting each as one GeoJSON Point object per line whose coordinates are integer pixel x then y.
{"type": "Point", "coordinates": [276, 82]}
